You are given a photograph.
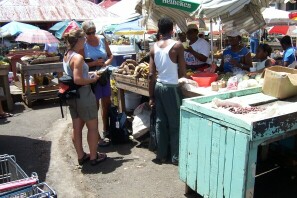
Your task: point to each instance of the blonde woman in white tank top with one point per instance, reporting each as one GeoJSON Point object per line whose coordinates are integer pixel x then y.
{"type": "Point", "coordinates": [83, 110]}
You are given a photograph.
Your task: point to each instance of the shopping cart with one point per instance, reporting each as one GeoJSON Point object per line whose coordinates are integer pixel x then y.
{"type": "Point", "coordinates": [41, 190]}
{"type": "Point", "coordinates": [15, 183]}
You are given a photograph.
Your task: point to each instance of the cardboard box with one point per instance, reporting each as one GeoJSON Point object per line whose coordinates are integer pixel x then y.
{"type": "Point", "coordinates": [280, 82]}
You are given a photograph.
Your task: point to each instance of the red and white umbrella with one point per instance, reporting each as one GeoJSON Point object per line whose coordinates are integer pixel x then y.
{"type": "Point", "coordinates": [283, 29]}
{"type": "Point", "coordinates": [37, 36]}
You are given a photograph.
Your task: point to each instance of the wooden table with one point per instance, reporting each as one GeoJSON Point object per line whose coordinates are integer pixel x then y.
{"type": "Point", "coordinates": [218, 149]}
{"type": "Point", "coordinates": [4, 69]}
{"type": "Point", "coordinates": [140, 86]}
{"type": "Point", "coordinates": [44, 92]}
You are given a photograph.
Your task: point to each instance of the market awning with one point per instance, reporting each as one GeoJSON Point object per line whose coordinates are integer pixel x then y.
{"type": "Point", "coordinates": [127, 12]}
{"type": "Point", "coordinates": [108, 3]}
{"type": "Point", "coordinates": [152, 12]}
{"type": "Point", "coordinates": [54, 10]}
{"type": "Point", "coordinates": [236, 14]}
{"type": "Point", "coordinates": [274, 16]}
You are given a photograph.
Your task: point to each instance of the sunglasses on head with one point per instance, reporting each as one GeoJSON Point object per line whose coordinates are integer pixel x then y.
{"type": "Point", "coordinates": [89, 33]}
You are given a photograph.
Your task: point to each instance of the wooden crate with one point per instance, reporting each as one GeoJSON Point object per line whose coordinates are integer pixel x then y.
{"type": "Point", "coordinates": [140, 82]}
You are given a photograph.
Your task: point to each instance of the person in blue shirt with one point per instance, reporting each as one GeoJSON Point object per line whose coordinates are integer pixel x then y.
{"type": "Point", "coordinates": [254, 41]}
{"type": "Point", "coordinates": [236, 57]}
{"type": "Point", "coordinates": [289, 51]}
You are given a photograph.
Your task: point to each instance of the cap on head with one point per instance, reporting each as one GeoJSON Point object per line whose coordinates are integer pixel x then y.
{"type": "Point", "coordinates": [233, 33]}
{"type": "Point", "coordinates": [192, 27]}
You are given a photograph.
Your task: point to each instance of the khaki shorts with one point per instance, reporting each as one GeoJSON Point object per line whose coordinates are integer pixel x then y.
{"type": "Point", "coordinates": [84, 107]}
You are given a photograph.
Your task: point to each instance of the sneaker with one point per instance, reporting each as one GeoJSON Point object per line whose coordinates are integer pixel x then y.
{"type": "Point", "coordinates": [103, 143]}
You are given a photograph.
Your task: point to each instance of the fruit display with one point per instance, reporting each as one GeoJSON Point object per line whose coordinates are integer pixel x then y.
{"type": "Point", "coordinates": [218, 54]}
{"type": "Point", "coordinates": [131, 67]}
{"type": "Point", "coordinates": [40, 58]}
{"type": "Point", "coordinates": [4, 61]}
{"type": "Point", "coordinates": [225, 76]}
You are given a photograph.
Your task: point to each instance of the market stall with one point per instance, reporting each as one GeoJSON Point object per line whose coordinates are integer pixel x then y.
{"type": "Point", "coordinates": [4, 84]}
{"type": "Point", "coordinates": [218, 147]}
{"type": "Point", "coordinates": [37, 88]}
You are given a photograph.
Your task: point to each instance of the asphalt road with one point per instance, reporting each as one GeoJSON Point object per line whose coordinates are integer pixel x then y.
{"type": "Point", "coordinates": [41, 142]}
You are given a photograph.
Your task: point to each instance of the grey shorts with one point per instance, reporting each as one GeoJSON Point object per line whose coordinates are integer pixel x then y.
{"type": "Point", "coordinates": [84, 107]}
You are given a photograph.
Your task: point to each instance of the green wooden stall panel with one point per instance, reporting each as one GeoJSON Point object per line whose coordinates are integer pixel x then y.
{"type": "Point", "coordinates": [183, 146]}
{"type": "Point", "coordinates": [193, 139]}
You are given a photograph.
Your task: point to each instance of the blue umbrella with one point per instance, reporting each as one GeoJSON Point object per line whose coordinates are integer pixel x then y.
{"type": "Point", "coordinates": [128, 28]}
{"type": "Point", "coordinates": [60, 27]}
{"type": "Point", "coordinates": [13, 28]}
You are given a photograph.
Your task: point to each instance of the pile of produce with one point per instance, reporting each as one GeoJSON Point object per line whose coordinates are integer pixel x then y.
{"type": "Point", "coordinates": [245, 110]}
{"type": "Point", "coordinates": [4, 61]}
{"type": "Point", "coordinates": [236, 107]}
{"type": "Point", "coordinates": [38, 56]}
{"type": "Point", "coordinates": [131, 67]}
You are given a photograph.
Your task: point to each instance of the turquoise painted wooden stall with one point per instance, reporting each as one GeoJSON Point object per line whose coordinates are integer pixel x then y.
{"type": "Point", "coordinates": [218, 152]}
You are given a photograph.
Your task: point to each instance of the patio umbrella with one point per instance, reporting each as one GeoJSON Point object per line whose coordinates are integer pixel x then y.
{"type": "Point", "coordinates": [283, 29]}
{"type": "Point", "coordinates": [37, 36]}
{"type": "Point", "coordinates": [128, 28]}
{"type": "Point", "coordinates": [13, 28]}
{"type": "Point", "coordinates": [63, 27]}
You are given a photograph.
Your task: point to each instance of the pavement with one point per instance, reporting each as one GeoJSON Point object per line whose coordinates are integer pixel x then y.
{"type": "Point", "coordinates": [41, 141]}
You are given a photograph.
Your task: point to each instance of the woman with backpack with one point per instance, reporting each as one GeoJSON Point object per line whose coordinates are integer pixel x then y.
{"type": "Point", "coordinates": [83, 110]}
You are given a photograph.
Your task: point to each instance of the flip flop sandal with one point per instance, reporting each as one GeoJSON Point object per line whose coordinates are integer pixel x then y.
{"type": "Point", "coordinates": [5, 115]}
{"type": "Point", "coordinates": [84, 159]}
{"type": "Point", "coordinates": [100, 158]}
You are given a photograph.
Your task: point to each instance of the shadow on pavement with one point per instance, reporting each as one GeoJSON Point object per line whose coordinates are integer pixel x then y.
{"type": "Point", "coordinates": [122, 149]}
{"type": "Point", "coordinates": [43, 104]}
{"type": "Point", "coordinates": [108, 166]}
{"type": "Point", "coordinates": [32, 155]}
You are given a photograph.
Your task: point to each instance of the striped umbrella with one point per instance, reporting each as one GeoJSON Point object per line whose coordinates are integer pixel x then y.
{"type": "Point", "coordinates": [37, 36]}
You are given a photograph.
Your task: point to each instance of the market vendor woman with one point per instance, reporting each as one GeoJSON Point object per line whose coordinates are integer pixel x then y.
{"type": "Point", "coordinates": [236, 57]}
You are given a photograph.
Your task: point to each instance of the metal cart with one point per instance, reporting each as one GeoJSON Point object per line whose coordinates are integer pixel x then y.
{"type": "Point", "coordinates": [15, 183]}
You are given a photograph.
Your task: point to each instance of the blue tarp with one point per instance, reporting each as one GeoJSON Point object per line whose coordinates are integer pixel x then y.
{"type": "Point", "coordinates": [13, 28]}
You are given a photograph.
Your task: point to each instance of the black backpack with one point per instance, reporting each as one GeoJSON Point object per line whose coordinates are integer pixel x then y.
{"type": "Point", "coordinates": [67, 90]}
{"type": "Point", "coordinates": [118, 131]}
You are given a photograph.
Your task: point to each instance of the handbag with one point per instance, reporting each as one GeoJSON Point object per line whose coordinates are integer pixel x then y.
{"type": "Point", "coordinates": [104, 77]}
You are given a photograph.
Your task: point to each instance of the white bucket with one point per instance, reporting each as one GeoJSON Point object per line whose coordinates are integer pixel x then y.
{"type": "Point", "coordinates": [132, 100]}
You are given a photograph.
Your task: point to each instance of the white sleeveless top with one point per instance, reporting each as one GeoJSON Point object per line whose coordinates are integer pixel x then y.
{"type": "Point", "coordinates": [260, 65]}
{"type": "Point", "coordinates": [167, 70]}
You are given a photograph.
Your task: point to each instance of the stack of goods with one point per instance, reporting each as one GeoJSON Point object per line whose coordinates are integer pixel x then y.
{"type": "Point", "coordinates": [4, 61]}
{"type": "Point", "coordinates": [237, 82]}
{"type": "Point", "coordinates": [40, 58]}
{"type": "Point", "coordinates": [132, 68]}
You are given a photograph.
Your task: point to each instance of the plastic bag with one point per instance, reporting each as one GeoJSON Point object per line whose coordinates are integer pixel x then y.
{"type": "Point", "coordinates": [183, 81]}
{"type": "Point", "coordinates": [232, 83]}
{"type": "Point", "coordinates": [141, 121]}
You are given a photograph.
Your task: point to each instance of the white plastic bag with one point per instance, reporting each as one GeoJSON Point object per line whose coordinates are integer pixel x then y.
{"type": "Point", "coordinates": [141, 121]}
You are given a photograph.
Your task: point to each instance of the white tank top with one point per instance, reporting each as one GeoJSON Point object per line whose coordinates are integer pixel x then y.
{"type": "Point", "coordinates": [167, 70]}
